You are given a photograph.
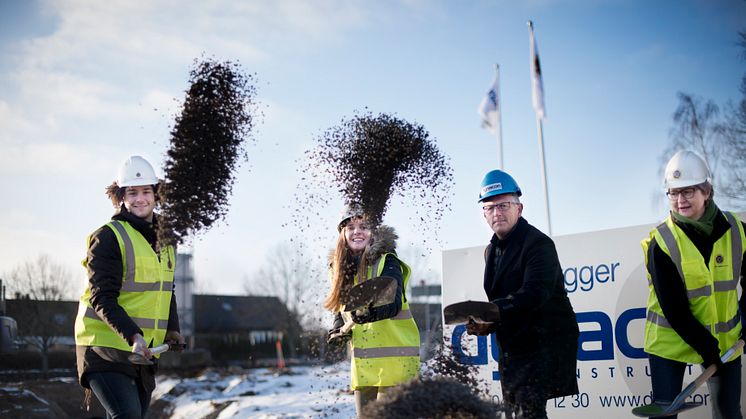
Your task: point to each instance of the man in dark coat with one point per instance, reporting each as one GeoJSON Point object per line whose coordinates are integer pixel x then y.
{"type": "Point", "coordinates": [537, 331]}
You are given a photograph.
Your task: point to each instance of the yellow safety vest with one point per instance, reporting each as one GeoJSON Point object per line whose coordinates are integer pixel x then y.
{"type": "Point", "coordinates": [386, 352]}
{"type": "Point", "coordinates": [147, 286]}
{"type": "Point", "coordinates": [711, 287]}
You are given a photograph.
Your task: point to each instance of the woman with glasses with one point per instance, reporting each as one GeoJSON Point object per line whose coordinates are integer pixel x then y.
{"type": "Point", "coordinates": [385, 341]}
{"type": "Point", "coordinates": [694, 260]}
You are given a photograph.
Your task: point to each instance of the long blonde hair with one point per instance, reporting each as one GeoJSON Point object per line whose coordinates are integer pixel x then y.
{"type": "Point", "coordinates": [341, 273]}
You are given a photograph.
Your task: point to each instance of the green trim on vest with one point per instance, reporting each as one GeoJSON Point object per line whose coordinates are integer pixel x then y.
{"type": "Point", "coordinates": [711, 289]}
{"type": "Point", "coordinates": [386, 352]}
{"type": "Point", "coordinates": [147, 287]}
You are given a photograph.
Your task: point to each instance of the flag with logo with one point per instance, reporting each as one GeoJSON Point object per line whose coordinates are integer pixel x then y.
{"type": "Point", "coordinates": [489, 108]}
{"type": "Point", "coordinates": [537, 86]}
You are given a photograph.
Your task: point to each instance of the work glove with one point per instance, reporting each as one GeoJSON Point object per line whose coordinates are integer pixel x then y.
{"type": "Point", "coordinates": [175, 341]}
{"type": "Point", "coordinates": [479, 329]}
{"type": "Point", "coordinates": [338, 321]}
{"type": "Point", "coordinates": [140, 346]}
{"type": "Point", "coordinates": [711, 358]}
{"type": "Point", "coordinates": [334, 337]}
{"type": "Point", "coordinates": [363, 315]}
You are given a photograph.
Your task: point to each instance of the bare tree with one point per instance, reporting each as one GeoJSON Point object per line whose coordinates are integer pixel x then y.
{"type": "Point", "coordinates": [36, 284]}
{"type": "Point", "coordinates": [734, 144]}
{"type": "Point", "coordinates": [719, 138]}
{"type": "Point", "coordinates": [733, 176]}
{"type": "Point", "coordinates": [293, 278]}
{"type": "Point", "coordinates": [697, 128]}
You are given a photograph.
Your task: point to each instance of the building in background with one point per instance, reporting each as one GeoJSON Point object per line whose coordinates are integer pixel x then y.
{"type": "Point", "coordinates": [184, 289]}
{"type": "Point", "coordinates": [8, 326]}
{"type": "Point", "coordinates": [425, 305]}
{"type": "Point", "coordinates": [242, 329]}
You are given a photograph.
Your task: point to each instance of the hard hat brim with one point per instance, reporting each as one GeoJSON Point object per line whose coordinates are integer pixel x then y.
{"type": "Point", "coordinates": [139, 182]}
{"type": "Point", "coordinates": [683, 183]}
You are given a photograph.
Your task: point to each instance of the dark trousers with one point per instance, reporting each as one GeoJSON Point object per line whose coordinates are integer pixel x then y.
{"type": "Point", "coordinates": [667, 377]}
{"type": "Point", "coordinates": [122, 396]}
{"type": "Point", "coordinates": [536, 409]}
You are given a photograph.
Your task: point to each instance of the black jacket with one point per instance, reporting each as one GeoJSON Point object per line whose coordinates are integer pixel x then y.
{"type": "Point", "coordinates": [537, 332]}
{"type": "Point", "coordinates": [105, 272]}
{"type": "Point", "coordinates": [671, 291]}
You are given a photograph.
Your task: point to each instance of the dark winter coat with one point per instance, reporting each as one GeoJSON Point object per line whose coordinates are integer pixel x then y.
{"type": "Point", "coordinates": [105, 272]}
{"type": "Point", "coordinates": [671, 291]}
{"type": "Point", "coordinates": [537, 332]}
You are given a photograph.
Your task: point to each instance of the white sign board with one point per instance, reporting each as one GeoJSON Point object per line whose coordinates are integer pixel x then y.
{"type": "Point", "coordinates": [606, 282]}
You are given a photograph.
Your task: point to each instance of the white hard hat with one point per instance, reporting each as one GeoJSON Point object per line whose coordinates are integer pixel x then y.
{"type": "Point", "coordinates": [686, 169]}
{"type": "Point", "coordinates": [136, 171]}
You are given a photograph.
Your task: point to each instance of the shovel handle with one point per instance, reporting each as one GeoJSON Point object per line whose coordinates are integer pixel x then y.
{"type": "Point", "coordinates": [346, 327]}
{"type": "Point", "coordinates": [725, 358]}
{"type": "Point", "coordinates": [159, 349]}
{"type": "Point", "coordinates": [679, 400]}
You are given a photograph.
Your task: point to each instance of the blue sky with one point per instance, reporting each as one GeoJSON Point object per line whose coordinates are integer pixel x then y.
{"type": "Point", "coordinates": [84, 84]}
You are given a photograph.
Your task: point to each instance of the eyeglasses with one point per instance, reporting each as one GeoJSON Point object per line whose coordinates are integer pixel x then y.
{"type": "Point", "coordinates": [501, 207]}
{"type": "Point", "coordinates": [687, 193]}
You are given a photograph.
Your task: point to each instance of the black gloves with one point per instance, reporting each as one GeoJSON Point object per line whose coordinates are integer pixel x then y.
{"type": "Point", "coordinates": [364, 315]}
{"type": "Point", "coordinates": [335, 337]}
{"type": "Point", "coordinates": [479, 329]}
{"type": "Point", "coordinates": [338, 321]}
{"type": "Point", "coordinates": [712, 358]}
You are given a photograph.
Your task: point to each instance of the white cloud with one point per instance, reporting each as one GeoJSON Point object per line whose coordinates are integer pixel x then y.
{"type": "Point", "coordinates": [13, 124]}
{"type": "Point", "coordinates": [106, 59]}
{"type": "Point", "coordinates": [53, 158]}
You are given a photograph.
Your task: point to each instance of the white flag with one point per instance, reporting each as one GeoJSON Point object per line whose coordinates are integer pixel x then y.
{"type": "Point", "coordinates": [489, 109]}
{"type": "Point", "coordinates": [537, 86]}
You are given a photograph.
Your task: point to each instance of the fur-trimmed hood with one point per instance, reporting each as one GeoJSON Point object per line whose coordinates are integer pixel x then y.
{"type": "Point", "coordinates": [383, 240]}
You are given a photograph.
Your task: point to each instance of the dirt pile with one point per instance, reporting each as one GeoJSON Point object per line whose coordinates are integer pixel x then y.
{"type": "Point", "coordinates": [207, 142]}
{"type": "Point", "coordinates": [368, 158]}
{"type": "Point", "coordinates": [432, 398]}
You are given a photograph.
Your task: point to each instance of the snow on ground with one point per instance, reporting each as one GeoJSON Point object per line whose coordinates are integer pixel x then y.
{"type": "Point", "coordinates": [305, 392]}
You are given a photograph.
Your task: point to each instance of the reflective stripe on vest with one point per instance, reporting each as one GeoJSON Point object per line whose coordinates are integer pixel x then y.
{"type": "Point", "coordinates": [129, 255]}
{"type": "Point", "coordinates": [718, 286]}
{"type": "Point", "coordinates": [386, 352]}
{"type": "Point", "coordinates": [403, 315]}
{"type": "Point", "coordinates": [673, 248]}
{"type": "Point", "coordinates": [737, 245]}
{"type": "Point", "coordinates": [711, 288]}
{"type": "Point", "coordinates": [139, 321]}
{"type": "Point", "coordinates": [720, 327]}
{"type": "Point", "coordinates": [145, 294]}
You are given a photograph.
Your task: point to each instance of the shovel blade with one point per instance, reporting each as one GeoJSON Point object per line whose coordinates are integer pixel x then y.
{"type": "Point", "coordinates": [655, 410]}
{"type": "Point", "coordinates": [139, 359]}
{"type": "Point", "coordinates": [375, 291]}
{"type": "Point", "coordinates": [476, 311]}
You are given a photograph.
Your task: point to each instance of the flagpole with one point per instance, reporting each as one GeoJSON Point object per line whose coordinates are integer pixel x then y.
{"type": "Point", "coordinates": [537, 89]}
{"type": "Point", "coordinates": [499, 121]}
{"type": "Point", "coordinates": [544, 172]}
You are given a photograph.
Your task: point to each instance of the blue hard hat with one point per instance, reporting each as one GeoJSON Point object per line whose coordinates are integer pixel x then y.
{"type": "Point", "coordinates": [497, 182]}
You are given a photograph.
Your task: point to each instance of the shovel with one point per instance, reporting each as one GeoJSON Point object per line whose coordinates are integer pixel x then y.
{"type": "Point", "coordinates": [678, 405]}
{"type": "Point", "coordinates": [471, 311]}
{"type": "Point", "coordinates": [138, 358]}
{"type": "Point", "coordinates": [376, 291]}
